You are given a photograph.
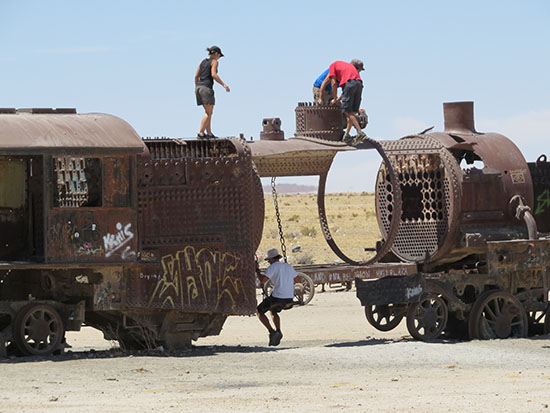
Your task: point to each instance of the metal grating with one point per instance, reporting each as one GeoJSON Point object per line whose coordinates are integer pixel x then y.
{"type": "Point", "coordinates": [78, 182]}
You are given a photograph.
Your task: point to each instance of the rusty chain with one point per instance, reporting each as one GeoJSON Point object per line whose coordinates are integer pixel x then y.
{"type": "Point", "coordinates": [278, 215]}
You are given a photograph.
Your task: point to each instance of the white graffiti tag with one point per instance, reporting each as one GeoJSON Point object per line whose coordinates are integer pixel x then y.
{"type": "Point", "coordinates": [413, 292]}
{"type": "Point", "coordinates": [113, 242]}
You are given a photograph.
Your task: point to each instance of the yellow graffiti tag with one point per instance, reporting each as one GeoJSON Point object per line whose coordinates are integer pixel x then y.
{"type": "Point", "coordinates": [202, 278]}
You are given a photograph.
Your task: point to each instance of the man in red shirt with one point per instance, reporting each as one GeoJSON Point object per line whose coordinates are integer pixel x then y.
{"type": "Point", "coordinates": [347, 75]}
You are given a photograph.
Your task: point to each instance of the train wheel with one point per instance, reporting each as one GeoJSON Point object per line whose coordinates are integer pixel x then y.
{"type": "Point", "coordinates": [427, 319]}
{"type": "Point", "coordinates": [304, 289]}
{"type": "Point", "coordinates": [385, 317]}
{"type": "Point", "coordinates": [38, 330]}
{"type": "Point", "coordinates": [497, 314]}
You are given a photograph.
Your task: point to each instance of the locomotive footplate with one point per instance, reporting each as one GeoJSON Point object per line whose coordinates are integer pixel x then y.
{"type": "Point", "coordinates": [390, 290]}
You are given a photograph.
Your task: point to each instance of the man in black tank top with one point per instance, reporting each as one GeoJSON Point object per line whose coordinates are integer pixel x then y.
{"type": "Point", "coordinates": [207, 72]}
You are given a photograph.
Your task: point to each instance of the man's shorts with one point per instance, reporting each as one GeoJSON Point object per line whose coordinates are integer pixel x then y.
{"type": "Point", "coordinates": [351, 96]}
{"type": "Point", "coordinates": [205, 95]}
{"type": "Point", "coordinates": [273, 304]}
{"type": "Point", "coordinates": [327, 96]}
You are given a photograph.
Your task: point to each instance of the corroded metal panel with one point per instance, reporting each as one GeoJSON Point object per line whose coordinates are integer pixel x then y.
{"type": "Point", "coordinates": [91, 235]}
{"type": "Point", "coordinates": [118, 182]}
{"type": "Point", "coordinates": [344, 273]}
{"type": "Point", "coordinates": [207, 278]}
{"type": "Point", "coordinates": [390, 290]}
{"type": "Point", "coordinates": [505, 257]}
{"type": "Point", "coordinates": [320, 121]}
{"type": "Point", "coordinates": [200, 206]}
{"type": "Point", "coordinates": [108, 294]}
{"type": "Point", "coordinates": [540, 172]}
{"type": "Point", "coordinates": [27, 131]}
{"type": "Point", "coordinates": [295, 157]}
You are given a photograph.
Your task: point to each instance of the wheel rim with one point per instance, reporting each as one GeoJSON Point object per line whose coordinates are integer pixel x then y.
{"type": "Point", "coordinates": [39, 330]}
{"type": "Point", "coordinates": [304, 289]}
{"type": "Point", "coordinates": [384, 317]}
{"type": "Point", "coordinates": [498, 314]}
{"type": "Point", "coordinates": [427, 319]}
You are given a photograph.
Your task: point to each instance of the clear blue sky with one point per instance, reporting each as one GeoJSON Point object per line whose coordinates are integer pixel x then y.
{"type": "Point", "coordinates": [137, 60]}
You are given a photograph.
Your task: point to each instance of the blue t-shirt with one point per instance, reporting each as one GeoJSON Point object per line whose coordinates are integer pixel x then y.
{"type": "Point", "coordinates": [320, 79]}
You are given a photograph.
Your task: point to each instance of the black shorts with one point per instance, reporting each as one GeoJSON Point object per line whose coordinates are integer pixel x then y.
{"type": "Point", "coordinates": [273, 304]}
{"type": "Point", "coordinates": [351, 96]}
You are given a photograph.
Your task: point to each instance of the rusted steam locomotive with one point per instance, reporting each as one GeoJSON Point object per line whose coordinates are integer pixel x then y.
{"type": "Point", "coordinates": [473, 216]}
{"type": "Point", "coordinates": [464, 220]}
{"type": "Point", "coordinates": [151, 241]}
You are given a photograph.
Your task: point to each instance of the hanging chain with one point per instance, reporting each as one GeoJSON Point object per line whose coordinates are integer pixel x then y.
{"type": "Point", "coordinates": [278, 215]}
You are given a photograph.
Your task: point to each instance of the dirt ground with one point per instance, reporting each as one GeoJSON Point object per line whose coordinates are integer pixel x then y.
{"type": "Point", "coordinates": [330, 359]}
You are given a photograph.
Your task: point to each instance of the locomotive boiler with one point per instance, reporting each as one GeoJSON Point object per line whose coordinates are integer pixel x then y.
{"type": "Point", "coordinates": [471, 216]}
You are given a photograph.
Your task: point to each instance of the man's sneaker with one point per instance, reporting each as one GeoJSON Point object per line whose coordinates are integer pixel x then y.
{"type": "Point", "coordinates": [271, 338]}
{"type": "Point", "coordinates": [277, 338]}
{"type": "Point", "coordinates": [360, 137]}
{"type": "Point", "coordinates": [348, 139]}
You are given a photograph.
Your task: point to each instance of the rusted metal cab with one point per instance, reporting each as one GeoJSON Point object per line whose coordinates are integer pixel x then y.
{"type": "Point", "coordinates": [67, 193]}
{"type": "Point", "coordinates": [67, 216]}
{"type": "Point", "coordinates": [150, 241]}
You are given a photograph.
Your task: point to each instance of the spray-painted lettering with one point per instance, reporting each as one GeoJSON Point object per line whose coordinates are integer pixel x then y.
{"type": "Point", "coordinates": [114, 242]}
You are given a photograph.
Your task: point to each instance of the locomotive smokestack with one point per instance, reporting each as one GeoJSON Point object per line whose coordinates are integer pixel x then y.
{"type": "Point", "coordinates": [459, 117]}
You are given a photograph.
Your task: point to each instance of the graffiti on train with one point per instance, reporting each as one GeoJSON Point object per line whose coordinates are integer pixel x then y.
{"type": "Point", "coordinates": [199, 277]}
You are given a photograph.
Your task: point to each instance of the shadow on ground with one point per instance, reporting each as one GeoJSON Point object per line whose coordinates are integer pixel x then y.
{"type": "Point", "coordinates": [195, 351]}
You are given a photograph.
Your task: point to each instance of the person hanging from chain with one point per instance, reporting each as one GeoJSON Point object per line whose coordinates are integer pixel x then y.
{"type": "Point", "coordinates": [283, 276]}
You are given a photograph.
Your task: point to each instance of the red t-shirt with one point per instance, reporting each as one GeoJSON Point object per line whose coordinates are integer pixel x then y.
{"type": "Point", "coordinates": [343, 71]}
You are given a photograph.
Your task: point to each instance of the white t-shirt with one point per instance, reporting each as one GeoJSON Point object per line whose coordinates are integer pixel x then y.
{"type": "Point", "coordinates": [282, 275]}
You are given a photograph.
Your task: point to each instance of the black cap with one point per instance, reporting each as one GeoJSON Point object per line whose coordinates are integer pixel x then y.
{"type": "Point", "coordinates": [215, 49]}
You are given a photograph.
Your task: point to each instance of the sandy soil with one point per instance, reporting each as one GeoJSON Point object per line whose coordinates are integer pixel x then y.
{"type": "Point", "coordinates": [330, 359]}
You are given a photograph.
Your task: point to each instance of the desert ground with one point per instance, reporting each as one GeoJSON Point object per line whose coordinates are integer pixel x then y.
{"type": "Point", "coordinates": [330, 358]}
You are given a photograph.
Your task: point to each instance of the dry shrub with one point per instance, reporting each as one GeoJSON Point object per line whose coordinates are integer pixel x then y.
{"type": "Point", "coordinates": [308, 231]}
{"type": "Point", "coordinates": [305, 259]}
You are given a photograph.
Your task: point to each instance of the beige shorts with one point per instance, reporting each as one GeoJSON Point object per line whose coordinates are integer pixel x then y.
{"type": "Point", "coordinates": [327, 96]}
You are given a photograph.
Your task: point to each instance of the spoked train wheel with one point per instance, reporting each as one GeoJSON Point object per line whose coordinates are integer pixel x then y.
{"type": "Point", "coordinates": [497, 314]}
{"type": "Point", "coordinates": [304, 289]}
{"type": "Point", "coordinates": [427, 319]}
{"type": "Point", "coordinates": [385, 317]}
{"type": "Point", "coordinates": [38, 330]}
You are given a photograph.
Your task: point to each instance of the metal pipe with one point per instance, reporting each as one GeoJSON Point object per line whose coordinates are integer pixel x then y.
{"type": "Point", "coordinates": [531, 225]}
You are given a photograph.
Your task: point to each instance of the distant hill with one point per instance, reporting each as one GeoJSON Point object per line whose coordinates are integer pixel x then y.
{"type": "Point", "coordinates": [291, 188]}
